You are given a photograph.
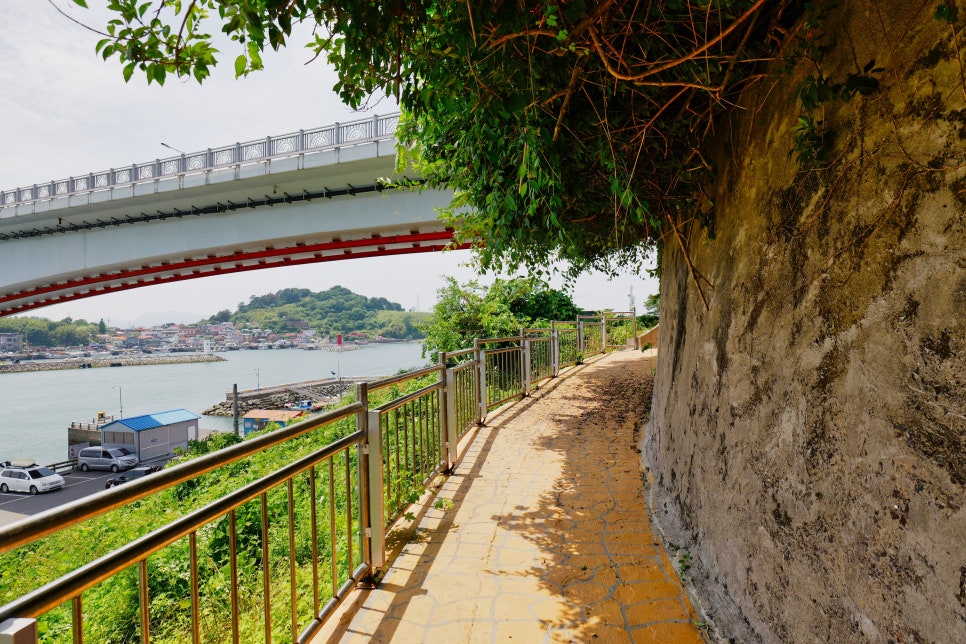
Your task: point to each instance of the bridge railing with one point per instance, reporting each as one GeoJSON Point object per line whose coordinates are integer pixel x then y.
{"type": "Point", "coordinates": [287, 535]}
{"type": "Point", "coordinates": [270, 147]}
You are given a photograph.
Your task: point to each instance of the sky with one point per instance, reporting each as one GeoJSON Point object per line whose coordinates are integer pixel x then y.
{"type": "Point", "coordinates": [64, 111]}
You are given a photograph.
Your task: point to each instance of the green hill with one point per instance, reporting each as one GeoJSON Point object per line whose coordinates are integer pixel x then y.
{"type": "Point", "coordinates": [337, 310]}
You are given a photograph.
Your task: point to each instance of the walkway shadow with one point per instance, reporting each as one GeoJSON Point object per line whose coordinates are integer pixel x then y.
{"type": "Point", "coordinates": [547, 536]}
{"type": "Point", "coordinates": [590, 524]}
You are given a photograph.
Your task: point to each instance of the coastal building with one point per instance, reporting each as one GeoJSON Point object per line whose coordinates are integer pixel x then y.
{"type": "Point", "coordinates": [152, 435]}
{"type": "Point", "coordinates": [11, 342]}
{"type": "Point", "coordinates": [258, 419]}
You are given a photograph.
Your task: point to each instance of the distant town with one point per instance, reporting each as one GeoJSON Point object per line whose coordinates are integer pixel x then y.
{"type": "Point", "coordinates": [291, 318]}
{"type": "Point", "coordinates": [173, 338]}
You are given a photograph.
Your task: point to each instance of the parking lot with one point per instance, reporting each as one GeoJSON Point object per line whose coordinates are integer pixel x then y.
{"type": "Point", "coordinates": [15, 505]}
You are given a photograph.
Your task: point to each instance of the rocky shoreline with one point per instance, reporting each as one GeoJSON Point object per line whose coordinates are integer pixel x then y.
{"type": "Point", "coordinates": [112, 361]}
{"type": "Point", "coordinates": [321, 394]}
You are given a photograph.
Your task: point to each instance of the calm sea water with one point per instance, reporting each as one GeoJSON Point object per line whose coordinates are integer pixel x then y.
{"type": "Point", "coordinates": [37, 407]}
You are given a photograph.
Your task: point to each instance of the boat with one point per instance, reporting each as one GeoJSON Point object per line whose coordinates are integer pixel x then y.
{"type": "Point", "coordinates": [19, 462]}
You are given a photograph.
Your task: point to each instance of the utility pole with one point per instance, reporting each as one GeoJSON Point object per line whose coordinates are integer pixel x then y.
{"type": "Point", "coordinates": [120, 398]}
{"type": "Point", "coordinates": [234, 408]}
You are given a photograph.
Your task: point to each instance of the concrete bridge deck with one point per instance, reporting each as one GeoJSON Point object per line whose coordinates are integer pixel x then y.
{"type": "Point", "coordinates": [541, 535]}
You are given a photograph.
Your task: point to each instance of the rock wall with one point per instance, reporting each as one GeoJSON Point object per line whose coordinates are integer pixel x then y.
{"type": "Point", "coordinates": [808, 433]}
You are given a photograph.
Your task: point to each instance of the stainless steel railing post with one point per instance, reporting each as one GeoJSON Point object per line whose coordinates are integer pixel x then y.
{"type": "Point", "coordinates": [481, 381]}
{"type": "Point", "coordinates": [452, 418]}
{"type": "Point", "coordinates": [370, 474]}
{"type": "Point", "coordinates": [603, 333]}
{"type": "Point", "coordinates": [375, 510]}
{"type": "Point", "coordinates": [526, 366]}
{"type": "Point", "coordinates": [18, 630]}
{"type": "Point", "coordinates": [555, 352]}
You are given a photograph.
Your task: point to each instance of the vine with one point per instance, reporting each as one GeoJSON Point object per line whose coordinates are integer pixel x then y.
{"type": "Point", "coordinates": [818, 91]}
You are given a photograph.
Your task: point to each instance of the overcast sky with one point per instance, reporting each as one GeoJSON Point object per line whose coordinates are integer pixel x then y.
{"type": "Point", "coordinates": [64, 111]}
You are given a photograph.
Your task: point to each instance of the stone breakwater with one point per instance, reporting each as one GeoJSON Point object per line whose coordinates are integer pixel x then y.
{"type": "Point", "coordinates": [113, 361]}
{"type": "Point", "coordinates": [322, 394]}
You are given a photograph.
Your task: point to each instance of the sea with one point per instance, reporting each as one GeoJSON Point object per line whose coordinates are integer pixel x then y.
{"type": "Point", "coordinates": [37, 407]}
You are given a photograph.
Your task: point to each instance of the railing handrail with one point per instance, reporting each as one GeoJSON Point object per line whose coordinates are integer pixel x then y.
{"type": "Point", "coordinates": [399, 402]}
{"type": "Point", "coordinates": [205, 160]}
{"type": "Point", "coordinates": [512, 338]}
{"type": "Point", "coordinates": [53, 520]}
{"type": "Point", "coordinates": [400, 377]}
{"type": "Point", "coordinates": [75, 582]}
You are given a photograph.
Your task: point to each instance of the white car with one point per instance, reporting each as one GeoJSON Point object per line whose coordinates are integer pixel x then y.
{"type": "Point", "coordinates": [33, 479]}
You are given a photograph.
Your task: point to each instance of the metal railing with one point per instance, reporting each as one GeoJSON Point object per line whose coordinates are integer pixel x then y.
{"type": "Point", "coordinates": [271, 147]}
{"type": "Point", "coordinates": [568, 343]}
{"type": "Point", "coordinates": [592, 337]}
{"type": "Point", "coordinates": [621, 329]}
{"type": "Point", "coordinates": [276, 550]}
{"type": "Point", "coordinates": [542, 362]}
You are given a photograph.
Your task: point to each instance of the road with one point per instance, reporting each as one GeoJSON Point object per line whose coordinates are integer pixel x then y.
{"type": "Point", "coordinates": [14, 505]}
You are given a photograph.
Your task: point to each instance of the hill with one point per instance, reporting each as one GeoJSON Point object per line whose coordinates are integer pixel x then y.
{"type": "Point", "coordinates": [336, 310]}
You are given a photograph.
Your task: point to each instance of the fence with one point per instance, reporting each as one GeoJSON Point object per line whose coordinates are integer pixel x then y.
{"type": "Point", "coordinates": [274, 552]}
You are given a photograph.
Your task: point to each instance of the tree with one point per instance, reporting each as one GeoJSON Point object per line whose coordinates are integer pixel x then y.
{"type": "Point", "coordinates": [571, 130]}
{"type": "Point", "coordinates": [652, 311]}
{"type": "Point", "coordinates": [536, 302]}
{"type": "Point", "coordinates": [101, 327]}
{"type": "Point", "coordinates": [468, 311]}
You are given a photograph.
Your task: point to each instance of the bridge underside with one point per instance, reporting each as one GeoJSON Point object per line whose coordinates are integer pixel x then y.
{"type": "Point", "coordinates": [307, 206]}
{"type": "Point", "coordinates": [49, 266]}
{"type": "Point", "coordinates": [167, 272]}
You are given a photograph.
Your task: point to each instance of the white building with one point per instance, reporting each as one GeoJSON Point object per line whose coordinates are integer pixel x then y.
{"type": "Point", "coordinates": [152, 435]}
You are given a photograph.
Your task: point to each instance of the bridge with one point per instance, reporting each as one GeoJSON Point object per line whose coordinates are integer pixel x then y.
{"type": "Point", "coordinates": [311, 196]}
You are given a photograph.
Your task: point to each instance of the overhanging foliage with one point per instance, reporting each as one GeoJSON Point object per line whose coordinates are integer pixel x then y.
{"type": "Point", "coordinates": [571, 129]}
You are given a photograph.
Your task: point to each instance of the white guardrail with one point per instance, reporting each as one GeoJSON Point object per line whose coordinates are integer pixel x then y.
{"type": "Point", "coordinates": [270, 147]}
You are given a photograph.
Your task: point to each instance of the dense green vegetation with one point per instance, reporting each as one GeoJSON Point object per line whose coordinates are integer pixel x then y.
{"type": "Point", "coordinates": [336, 310]}
{"type": "Point", "coordinates": [467, 311]}
{"type": "Point", "coordinates": [41, 332]}
{"type": "Point", "coordinates": [652, 310]}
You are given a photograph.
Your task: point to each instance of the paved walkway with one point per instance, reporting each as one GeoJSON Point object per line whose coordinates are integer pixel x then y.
{"type": "Point", "coordinates": [544, 538]}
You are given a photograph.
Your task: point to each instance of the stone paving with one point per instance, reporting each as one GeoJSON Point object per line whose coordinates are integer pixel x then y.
{"type": "Point", "coordinates": [543, 534]}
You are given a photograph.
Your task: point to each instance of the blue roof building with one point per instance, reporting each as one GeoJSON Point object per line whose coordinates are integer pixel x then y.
{"type": "Point", "coordinates": [152, 436]}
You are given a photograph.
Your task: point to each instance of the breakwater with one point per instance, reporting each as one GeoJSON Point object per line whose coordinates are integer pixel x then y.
{"type": "Point", "coordinates": [322, 392]}
{"type": "Point", "coordinates": [111, 361]}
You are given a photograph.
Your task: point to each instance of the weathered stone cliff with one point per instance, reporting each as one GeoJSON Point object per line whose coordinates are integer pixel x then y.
{"type": "Point", "coordinates": [808, 436]}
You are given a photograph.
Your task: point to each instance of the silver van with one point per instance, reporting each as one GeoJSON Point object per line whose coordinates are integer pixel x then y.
{"type": "Point", "coordinates": [106, 458]}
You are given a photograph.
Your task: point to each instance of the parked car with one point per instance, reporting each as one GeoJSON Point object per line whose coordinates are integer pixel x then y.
{"type": "Point", "coordinates": [106, 458]}
{"type": "Point", "coordinates": [33, 479]}
{"type": "Point", "coordinates": [130, 475]}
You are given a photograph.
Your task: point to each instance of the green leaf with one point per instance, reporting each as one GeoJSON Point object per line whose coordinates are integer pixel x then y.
{"type": "Point", "coordinates": [240, 64]}
{"type": "Point", "coordinates": [81, 3]}
{"type": "Point", "coordinates": [128, 71]}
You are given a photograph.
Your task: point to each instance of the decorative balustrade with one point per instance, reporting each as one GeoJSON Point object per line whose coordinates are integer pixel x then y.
{"type": "Point", "coordinates": [271, 147]}
{"type": "Point", "coordinates": [280, 548]}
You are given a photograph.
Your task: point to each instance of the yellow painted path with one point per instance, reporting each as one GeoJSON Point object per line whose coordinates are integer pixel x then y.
{"type": "Point", "coordinates": [545, 537]}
